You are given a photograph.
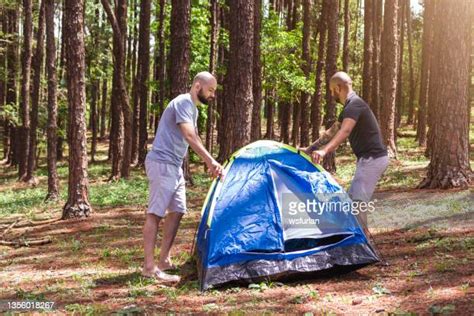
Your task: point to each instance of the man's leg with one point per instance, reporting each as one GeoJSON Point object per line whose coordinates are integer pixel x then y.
{"type": "Point", "coordinates": [170, 228]}
{"type": "Point", "coordinates": [368, 173]}
{"type": "Point", "coordinates": [150, 230]}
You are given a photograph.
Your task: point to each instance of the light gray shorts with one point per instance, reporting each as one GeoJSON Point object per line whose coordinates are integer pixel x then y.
{"type": "Point", "coordinates": [166, 186]}
{"type": "Point", "coordinates": [367, 174]}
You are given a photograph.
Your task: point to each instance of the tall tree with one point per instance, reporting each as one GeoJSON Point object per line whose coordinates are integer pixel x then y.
{"type": "Point", "coordinates": [37, 63]}
{"type": "Point", "coordinates": [180, 46]}
{"type": "Point", "coordinates": [238, 83]}
{"type": "Point", "coordinates": [376, 56]}
{"type": "Point", "coordinates": [77, 204]}
{"type": "Point", "coordinates": [214, 20]}
{"type": "Point", "coordinates": [256, 127]}
{"type": "Point", "coordinates": [389, 68]}
{"type": "Point", "coordinates": [317, 97]}
{"type": "Point", "coordinates": [399, 96]}
{"type": "Point", "coordinates": [144, 75]}
{"type": "Point", "coordinates": [25, 88]}
{"type": "Point", "coordinates": [295, 130]}
{"type": "Point", "coordinates": [306, 56]}
{"type": "Point", "coordinates": [11, 16]}
{"type": "Point", "coordinates": [329, 162]}
{"type": "Point", "coordinates": [368, 52]}
{"type": "Point", "coordinates": [121, 156]}
{"type": "Point", "coordinates": [449, 166]}
{"type": "Point", "coordinates": [180, 28]}
{"type": "Point", "coordinates": [411, 96]}
{"type": "Point", "coordinates": [425, 70]}
{"type": "Point", "coordinates": [345, 45]}
{"type": "Point", "coordinates": [52, 127]}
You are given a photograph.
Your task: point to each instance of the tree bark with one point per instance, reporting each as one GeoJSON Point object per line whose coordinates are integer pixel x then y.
{"type": "Point", "coordinates": [411, 97]}
{"type": "Point", "coordinates": [329, 162]}
{"type": "Point", "coordinates": [37, 62]}
{"type": "Point", "coordinates": [25, 89]}
{"type": "Point", "coordinates": [399, 96]}
{"type": "Point", "coordinates": [121, 157]}
{"type": "Point", "coordinates": [103, 110]}
{"type": "Point", "coordinates": [376, 38]}
{"type": "Point", "coordinates": [11, 84]}
{"type": "Point", "coordinates": [238, 83]}
{"type": "Point", "coordinates": [180, 47]}
{"type": "Point", "coordinates": [425, 71]}
{"type": "Point", "coordinates": [449, 166]}
{"type": "Point", "coordinates": [368, 53]}
{"type": "Point", "coordinates": [144, 66]}
{"type": "Point", "coordinates": [345, 45]}
{"type": "Point", "coordinates": [306, 59]}
{"type": "Point", "coordinates": [214, 20]}
{"type": "Point", "coordinates": [180, 25]}
{"type": "Point", "coordinates": [316, 105]}
{"type": "Point", "coordinates": [389, 73]}
{"type": "Point", "coordinates": [53, 182]}
{"type": "Point", "coordinates": [256, 127]}
{"type": "Point", "coordinates": [77, 204]}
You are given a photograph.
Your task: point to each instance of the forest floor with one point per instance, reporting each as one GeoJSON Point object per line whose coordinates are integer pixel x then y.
{"type": "Point", "coordinates": [92, 266]}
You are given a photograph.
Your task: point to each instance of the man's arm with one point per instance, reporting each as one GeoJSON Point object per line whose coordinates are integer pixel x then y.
{"type": "Point", "coordinates": [189, 134]}
{"type": "Point", "coordinates": [345, 130]}
{"type": "Point", "coordinates": [323, 139]}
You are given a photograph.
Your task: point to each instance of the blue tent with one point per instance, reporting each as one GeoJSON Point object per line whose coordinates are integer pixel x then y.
{"type": "Point", "coordinates": [252, 228]}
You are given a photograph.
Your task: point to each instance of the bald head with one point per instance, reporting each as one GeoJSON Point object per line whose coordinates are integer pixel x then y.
{"type": "Point", "coordinates": [340, 85]}
{"type": "Point", "coordinates": [204, 87]}
{"type": "Point", "coordinates": [341, 78]}
{"type": "Point", "coordinates": [204, 78]}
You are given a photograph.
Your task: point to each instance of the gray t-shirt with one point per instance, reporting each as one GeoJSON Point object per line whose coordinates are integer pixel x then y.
{"type": "Point", "coordinates": [169, 145]}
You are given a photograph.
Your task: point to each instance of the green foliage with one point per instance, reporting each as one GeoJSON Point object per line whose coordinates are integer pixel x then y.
{"type": "Point", "coordinates": [283, 74]}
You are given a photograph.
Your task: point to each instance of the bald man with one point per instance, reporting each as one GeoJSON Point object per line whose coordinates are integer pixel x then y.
{"type": "Point", "coordinates": [177, 130]}
{"type": "Point", "coordinates": [356, 121]}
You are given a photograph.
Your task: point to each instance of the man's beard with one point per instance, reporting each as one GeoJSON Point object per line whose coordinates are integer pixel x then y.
{"type": "Point", "coordinates": [337, 99]}
{"type": "Point", "coordinates": [202, 98]}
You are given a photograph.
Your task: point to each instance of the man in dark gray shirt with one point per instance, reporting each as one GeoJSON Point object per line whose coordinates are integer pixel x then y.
{"type": "Point", "coordinates": [357, 122]}
{"type": "Point", "coordinates": [177, 130]}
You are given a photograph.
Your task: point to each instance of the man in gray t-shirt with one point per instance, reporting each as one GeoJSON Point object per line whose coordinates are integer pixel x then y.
{"type": "Point", "coordinates": [177, 130]}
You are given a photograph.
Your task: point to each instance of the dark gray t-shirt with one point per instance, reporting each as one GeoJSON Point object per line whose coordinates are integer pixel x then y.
{"type": "Point", "coordinates": [169, 145]}
{"type": "Point", "coordinates": [365, 138]}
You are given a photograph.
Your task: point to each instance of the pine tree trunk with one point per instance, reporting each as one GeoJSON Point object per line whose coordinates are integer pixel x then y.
{"type": "Point", "coordinates": [180, 47]}
{"type": "Point", "coordinates": [376, 38]}
{"type": "Point", "coordinates": [93, 117]}
{"type": "Point", "coordinates": [317, 98]}
{"type": "Point", "coordinates": [306, 58]}
{"type": "Point", "coordinates": [180, 57]}
{"type": "Point", "coordinates": [389, 74]}
{"type": "Point", "coordinates": [399, 95]}
{"type": "Point", "coordinates": [256, 127]}
{"type": "Point", "coordinates": [103, 110]}
{"type": "Point", "coordinates": [368, 53]}
{"type": "Point", "coordinates": [345, 45]}
{"type": "Point", "coordinates": [411, 97]}
{"type": "Point", "coordinates": [122, 139]}
{"type": "Point", "coordinates": [53, 182]}
{"type": "Point", "coordinates": [77, 204]}
{"type": "Point", "coordinates": [449, 166]}
{"type": "Point", "coordinates": [11, 86]}
{"type": "Point", "coordinates": [329, 161]}
{"type": "Point", "coordinates": [144, 53]}
{"type": "Point", "coordinates": [214, 21]}
{"type": "Point", "coordinates": [25, 90]}
{"type": "Point", "coordinates": [37, 62]}
{"type": "Point", "coordinates": [239, 79]}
